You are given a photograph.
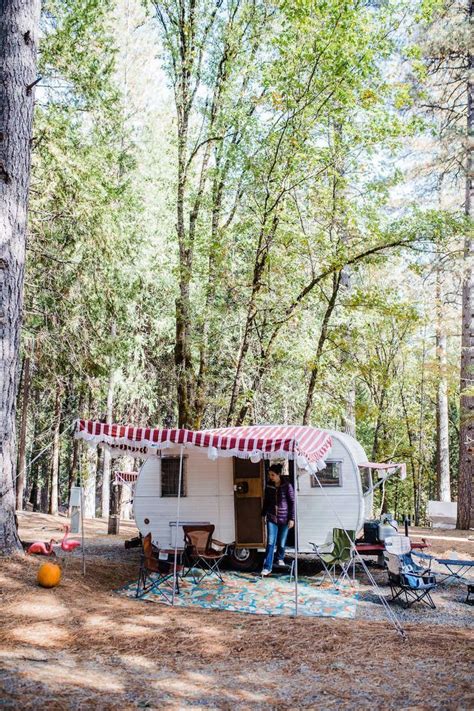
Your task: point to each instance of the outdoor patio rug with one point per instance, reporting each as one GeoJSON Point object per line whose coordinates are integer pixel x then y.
{"type": "Point", "coordinates": [270, 596]}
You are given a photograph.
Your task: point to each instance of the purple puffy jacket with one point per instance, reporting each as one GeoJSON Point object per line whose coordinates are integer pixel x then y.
{"type": "Point", "coordinates": [279, 503]}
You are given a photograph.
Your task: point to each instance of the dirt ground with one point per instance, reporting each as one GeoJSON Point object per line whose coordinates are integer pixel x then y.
{"type": "Point", "coordinates": [80, 646]}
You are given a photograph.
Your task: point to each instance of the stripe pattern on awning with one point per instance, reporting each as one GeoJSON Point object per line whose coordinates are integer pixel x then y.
{"type": "Point", "coordinates": [127, 477]}
{"type": "Point", "coordinates": [309, 445]}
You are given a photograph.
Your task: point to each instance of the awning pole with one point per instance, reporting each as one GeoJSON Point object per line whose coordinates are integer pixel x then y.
{"type": "Point", "coordinates": [81, 482]}
{"type": "Point", "coordinates": [175, 566]}
{"type": "Point", "coordinates": [295, 471]}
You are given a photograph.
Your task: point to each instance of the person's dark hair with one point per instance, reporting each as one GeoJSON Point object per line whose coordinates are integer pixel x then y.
{"type": "Point", "coordinates": [277, 468]}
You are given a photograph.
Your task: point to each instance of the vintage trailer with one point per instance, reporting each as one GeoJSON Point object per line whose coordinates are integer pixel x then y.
{"type": "Point", "coordinates": [228, 492]}
{"type": "Point", "coordinates": [223, 474]}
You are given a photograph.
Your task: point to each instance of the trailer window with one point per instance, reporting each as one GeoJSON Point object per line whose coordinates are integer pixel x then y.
{"type": "Point", "coordinates": [170, 476]}
{"type": "Point", "coordinates": [366, 479]}
{"type": "Point", "coordinates": [329, 476]}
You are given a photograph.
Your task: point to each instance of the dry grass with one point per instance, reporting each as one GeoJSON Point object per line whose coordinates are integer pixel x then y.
{"type": "Point", "coordinates": [81, 646]}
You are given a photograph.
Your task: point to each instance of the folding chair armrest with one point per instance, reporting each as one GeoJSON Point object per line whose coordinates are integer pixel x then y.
{"type": "Point", "coordinates": [218, 545]}
{"type": "Point", "coordinates": [317, 549]}
{"type": "Point", "coordinates": [424, 574]}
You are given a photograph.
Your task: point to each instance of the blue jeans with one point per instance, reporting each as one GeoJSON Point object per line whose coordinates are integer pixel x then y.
{"type": "Point", "coordinates": [276, 536]}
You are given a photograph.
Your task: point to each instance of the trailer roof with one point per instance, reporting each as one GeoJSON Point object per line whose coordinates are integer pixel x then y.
{"type": "Point", "coordinates": [308, 445]}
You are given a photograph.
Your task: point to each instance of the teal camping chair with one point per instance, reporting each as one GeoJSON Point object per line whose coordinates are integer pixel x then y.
{"type": "Point", "coordinates": [341, 554]}
{"type": "Point", "coordinates": [409, 582]}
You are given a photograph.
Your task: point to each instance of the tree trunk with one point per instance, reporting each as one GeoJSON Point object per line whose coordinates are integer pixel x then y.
{"type": "Point", "coordinates": [46, 483]}
{"type": "Point", "coordinates": [349, 418]}
{"type": "Point", "coordinates": [19, 22]}
{"type": "Point", "coordinates": [466, 440]}
{"type": "Point", "coordinates": [54, 489]}
{"type": "Point", "coordinates": [88, 482]}
{"type": "Point", "coordinates": [208, 327]}
{"type": "Point", "coordinates": [34, 476]}
{"type": "Point", "coordinates": [322, 339]}
{"type": "Point", "coordinates": [261, 258]}
{"type": "Point", "coordinates": [421, 433]}
{"type": "Point", "coordinates": [114, 516]}
{"type": "Point", "coordinates": [21, 481]}
{"type": "Point", "coordinates": [126, 492]}
{"type": "Point", "coordinates": [442, 414]}
{"type": "Point", "coordinates": [378, 428]}
{"type": "Point", "coordinates": [105, 498]}
{"type": "Point", "coordinates": [74, 466]}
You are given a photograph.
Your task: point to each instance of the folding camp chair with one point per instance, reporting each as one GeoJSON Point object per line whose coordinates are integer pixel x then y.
{"type": "Point", "coordinates": [201, 549]}
{"type": "Point", "coordinates": [456, 567]}
{"type": "Point", "coordinates": [156, 575]}
{"type": "Point", "coordinates": [408, 581]}
{"type": "Point", "coordinates": [341, 554]}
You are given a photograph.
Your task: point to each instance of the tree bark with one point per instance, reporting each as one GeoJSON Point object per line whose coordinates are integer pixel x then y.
{"type": "Point", "coordinates": [378, 425]}
{"type": "Point", "coordinates": [74, 466]}
{"type": "Point", "coordinates": [187, 45]}
{"type": "Point", "coordinates": [21, 481]}
{"type": "Point", "coordinates": [261, 258]}
{"type": "Point", "coordinates": [89, 479]}
{"type": "Point", "coordinates": [46, 484]}
{"type": "Point", "coordinates": [114, 516]}
{"type": "Point", "coordinates": [109, 413]}
{"type": "Point", "coordinates": [54, 489]}
{"type": "Point", "coordinates": [442, 413]}
{"type": "Point", "coordinates": [466, 440]}
{"type": "Point", "coordinates": [19, 22]}
{"type": "Point", "coordinates": [34, 476]}
{"type": "Point", "coordinates": [319, 350]}
{"type": "Point", "coordinates": [125, 506]}
{"type": "Point", "coordinates": [208, 328]}
{"type": "Point", "coordinates": [349, 417]}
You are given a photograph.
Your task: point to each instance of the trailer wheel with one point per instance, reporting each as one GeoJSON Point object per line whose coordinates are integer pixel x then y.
{"type": "Point", "coordinates": [245, 559]}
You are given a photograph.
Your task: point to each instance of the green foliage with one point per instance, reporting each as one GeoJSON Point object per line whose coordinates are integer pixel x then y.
{"type": "Point", "coordinates": [289, 200]}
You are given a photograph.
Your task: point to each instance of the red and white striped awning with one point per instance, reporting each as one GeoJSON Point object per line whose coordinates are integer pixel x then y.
{"type": "Point", "coordinates": [125, 477]}
{"type": "Point", "coordinates": [308, 445]}
{"type": "Point", "coordinates": [388, 467]}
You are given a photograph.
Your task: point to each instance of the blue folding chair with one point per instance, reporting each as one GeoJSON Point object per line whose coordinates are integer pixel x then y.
{"type": "Point", "coordinates": [408, 581]}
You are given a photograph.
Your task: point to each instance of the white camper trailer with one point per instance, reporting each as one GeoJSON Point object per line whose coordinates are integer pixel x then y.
{"type": "Point", "coordinates": [228, 492]}
{"type": "Point", "coordinates": [223, 476]}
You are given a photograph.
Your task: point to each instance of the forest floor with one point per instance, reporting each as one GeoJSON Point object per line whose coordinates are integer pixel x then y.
{"type": "Point", "coordinates": [81, 646]}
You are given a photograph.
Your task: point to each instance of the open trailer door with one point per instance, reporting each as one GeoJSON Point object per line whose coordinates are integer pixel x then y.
{"type": "Point", "coordinates": [248, 495]}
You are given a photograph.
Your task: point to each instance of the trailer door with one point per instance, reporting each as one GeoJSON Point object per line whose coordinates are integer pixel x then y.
{"type": "Point", "coordinates": [248, 494]}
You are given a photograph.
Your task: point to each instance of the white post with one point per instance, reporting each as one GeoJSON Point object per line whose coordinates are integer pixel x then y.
{"type": "Point", "coordinates": [75, 504]}
{"type": "Point", "coordinates": [175, 566]}
{"type": "Point", "coordinates": [295, 471]}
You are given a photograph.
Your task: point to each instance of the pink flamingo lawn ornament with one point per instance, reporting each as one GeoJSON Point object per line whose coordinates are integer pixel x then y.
{"type": "Point", "coordinates": [42, 548]}
{"type": "Point", "coordinates": [69, 545]}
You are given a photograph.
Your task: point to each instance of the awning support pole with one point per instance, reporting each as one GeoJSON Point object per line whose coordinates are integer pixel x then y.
{"type": "Point", "coordinates": [390, 613]}
{"type": "Point", "coordinates": [295, 471]}
{"type": "Point", "coordinates": [175, 565]}
{"type": "Point", "coordinates": [81, 483]}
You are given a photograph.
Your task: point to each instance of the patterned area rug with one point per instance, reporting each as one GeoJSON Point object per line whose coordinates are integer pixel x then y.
{"type": "Point", "coordinates": [269, 596]}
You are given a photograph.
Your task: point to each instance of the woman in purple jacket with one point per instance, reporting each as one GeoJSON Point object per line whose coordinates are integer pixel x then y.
{"type": "Point", "coordinates": [279, 510]}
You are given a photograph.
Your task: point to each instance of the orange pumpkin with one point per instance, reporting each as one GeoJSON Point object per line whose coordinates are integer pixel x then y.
{"type": "Point", "coordinates": [49, 575]}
